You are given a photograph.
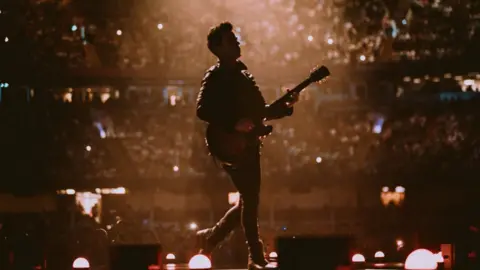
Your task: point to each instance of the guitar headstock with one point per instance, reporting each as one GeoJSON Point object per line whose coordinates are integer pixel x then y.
{"type": "Point", "coordinates": [319, 74]}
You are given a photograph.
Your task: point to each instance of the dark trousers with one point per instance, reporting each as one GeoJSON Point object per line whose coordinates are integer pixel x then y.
{"type": "Point", "coordinates": [246, 178]}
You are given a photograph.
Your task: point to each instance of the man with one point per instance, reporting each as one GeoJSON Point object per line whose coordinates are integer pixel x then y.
{"type": "Point", "coordinates": [229, 97]}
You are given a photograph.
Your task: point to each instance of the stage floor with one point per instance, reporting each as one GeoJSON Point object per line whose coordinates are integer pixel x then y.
{"type": "Point", "coordinates": [386, 266]}
{"type": "Point", "coordinates": [185, 267]}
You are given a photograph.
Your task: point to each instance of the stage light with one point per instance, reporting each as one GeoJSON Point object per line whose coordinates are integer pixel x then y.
{"type": "Point", "coordinates": [88, 148]}
{"type": "Point", "coordinates": [439, 257]}
{"type": "Point", "coordinates": [81, 263]}
{"type": "Point", "coordinates": [379, 254]}
{"type": "Point", "coordinates": [233, 198]}
{"type": "Point", "coordinates": [400, 243]}
{"type": "Point", "coordinates": [421, 259]}
{"type": "Point", "coordinates": [200, 261]}
{"type": "Point", "coordinates": [468, 82]}
{"type": "Point", "coordinates": [160, 26]}
{"type": "Point", "coordinates": [170, 256]}
{"type": "Point", "coordinates": [119, 32]}
{"type": "Point", "coordinates": [193, 226]}
{"type": "Point", "coordinates": [318, 160]}
{"type": "Point", "coordinates": [273, 255]}
{"type": "Point", "coordinates": [362, 58]}
{"type": "Point", "coordinates": [6, 39]}
{"type": "Point", "coordinates": [358, 258]}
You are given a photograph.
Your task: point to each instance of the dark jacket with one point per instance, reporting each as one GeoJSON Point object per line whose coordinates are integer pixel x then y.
{"type": "Point", "coordinates": [228, 95]}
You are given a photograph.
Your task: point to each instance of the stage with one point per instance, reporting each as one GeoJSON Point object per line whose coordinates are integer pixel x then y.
{"type": "Point", "coordinates": [385, 266]}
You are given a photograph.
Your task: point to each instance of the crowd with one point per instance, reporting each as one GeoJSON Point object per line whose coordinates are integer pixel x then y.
{"type": "Point", "coordinates": [276, 34]}
{"type": "Point", "coordinates": [142, 137]}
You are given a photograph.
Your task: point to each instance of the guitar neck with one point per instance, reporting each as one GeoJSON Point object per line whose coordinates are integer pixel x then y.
{"type": "Point", "coordinates": [297, 89]}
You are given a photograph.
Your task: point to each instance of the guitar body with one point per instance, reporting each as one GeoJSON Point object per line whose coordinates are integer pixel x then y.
{"type": "Point", "coordinates": [231, 147]}
{"type": "Point", "coordinates": [227, 146]}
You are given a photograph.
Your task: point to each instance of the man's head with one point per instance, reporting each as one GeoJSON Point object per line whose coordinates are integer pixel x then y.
{"type": "Point", "coordinates": [223, 43]}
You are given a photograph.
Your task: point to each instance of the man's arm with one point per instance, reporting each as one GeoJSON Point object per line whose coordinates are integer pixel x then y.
{"type": "Point", "coordinates": [272, 112]}
{"type": "Point", "coordinates": [211, 104]}
{"type": "Point", "coordinates": [278, 111]}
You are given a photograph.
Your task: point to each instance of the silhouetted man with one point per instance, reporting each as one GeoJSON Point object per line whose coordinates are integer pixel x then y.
{"type": "Point", "coordinates": [229, 97]}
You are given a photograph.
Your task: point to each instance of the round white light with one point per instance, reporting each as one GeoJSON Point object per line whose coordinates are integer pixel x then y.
{"type": "Point", "coordinates": [421, 259]}
{"type": "Point", "coordinates": [358, 258]}
{"type": "Point", "coordinates": [170, 256]}
{"type": "Point", "coordinates": [379, 254]}
{"type": "Point", "coordinates": [273, 255]}
{"type": "Point", "coordinates": [81, 263]}
{"type": "Point", "coordinates": [199, 262]}
{"type": "Point", "coordinates": [193, 226]}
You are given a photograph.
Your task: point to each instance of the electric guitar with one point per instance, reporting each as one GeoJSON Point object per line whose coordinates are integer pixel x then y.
{"type": "Point", "coordinates": [229, 147]}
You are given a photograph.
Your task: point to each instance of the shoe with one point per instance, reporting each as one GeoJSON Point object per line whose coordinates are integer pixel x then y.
{"type": "Point", "coordinates": [261, 265]}
{"type": "Point", "coordinates": [256, 258]}
{"type": "Point", "coordinates": [204, 246]}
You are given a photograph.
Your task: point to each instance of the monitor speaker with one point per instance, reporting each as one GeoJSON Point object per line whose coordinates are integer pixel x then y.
{"type": "Point", "coordinates": [127, 257]}
{"type": "Point", "coordinates": [314, 252]}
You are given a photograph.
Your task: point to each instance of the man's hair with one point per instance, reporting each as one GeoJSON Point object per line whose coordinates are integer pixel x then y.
{"type": "Point", "coordinates": [216, 33]}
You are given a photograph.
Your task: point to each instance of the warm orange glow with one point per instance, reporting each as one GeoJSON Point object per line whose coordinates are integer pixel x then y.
{"type": "Point", "coordinates": [233, 197]}
{"type": "Point", "coordinates": [392, 197]}
{"type": "Point", "coordinates": [400, 243]}
{"type": "Point", "coordinates": [193, 226]}
{"type": "Point", "coordinates": [89, 202]}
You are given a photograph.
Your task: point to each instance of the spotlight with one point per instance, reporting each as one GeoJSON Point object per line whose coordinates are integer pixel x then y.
{"type": "Point", "coordinates": [421, 259]}
{"type": "Point", "coordinates": [379, 254]}
{"type": "Point", "coordinates": [200, 261]}
{"type": "Point", "coordinates": [81, 263]}
{"type": "Point", "coordinates": [358, 258]}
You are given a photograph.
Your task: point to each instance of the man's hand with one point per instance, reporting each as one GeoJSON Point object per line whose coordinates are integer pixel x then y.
{"type": "Point", "coordinates": [244, 125]}
{"type": "Point", "coordinates": [293, 100]}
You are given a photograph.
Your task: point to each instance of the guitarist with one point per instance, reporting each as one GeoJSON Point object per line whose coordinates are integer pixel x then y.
{"type": "Point", "coordinates": [229, 97]}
